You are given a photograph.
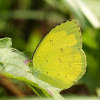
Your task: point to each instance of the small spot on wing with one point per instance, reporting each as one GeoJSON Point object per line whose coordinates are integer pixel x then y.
{"type": "Point", "coordinates": [61, 50]}
{"type": "Point", "coordinates": [46, 60]}
{"type": "Point", "coordinates": [68, 46]}
{"type": "Point", "coordinates": [78, 48]}
{"type": "Point", "coordinates": [66, 76]}
{"type": "Point", "coordinates": [51, 41]}
{"type": "Point", "coordinates": [70, 65]}
{"type": "Point", "coordinates": [60, 60]}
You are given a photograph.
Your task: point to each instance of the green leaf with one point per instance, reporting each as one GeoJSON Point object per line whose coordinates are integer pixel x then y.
{"type": "Point", "coordinates": [37, 90]}
{"type": "Point", "coordinates": [13, 64]}
{"type": "Point", "coordinates": [94, 5]}
{"type": "Point", "coordinates": [98, 91]}
{"type": "Point", "coordinates": [5, 42]}
{"type": "Point", "coordinates": [80, 9]}
{"type": "Point", "coordinates": [89, 38]}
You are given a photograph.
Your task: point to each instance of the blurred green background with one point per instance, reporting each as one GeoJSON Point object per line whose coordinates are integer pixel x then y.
{"type": "Point", "coordinates": [28, 21]}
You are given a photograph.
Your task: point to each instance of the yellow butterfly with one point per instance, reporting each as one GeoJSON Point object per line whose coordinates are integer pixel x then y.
{"type": "Point", "coordinates": [59, 59]}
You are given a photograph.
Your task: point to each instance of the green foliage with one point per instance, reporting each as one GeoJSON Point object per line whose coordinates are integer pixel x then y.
{"type": "Point", "coordinates": [23, 19]}
{"type": "Point", "coordinates": [33, 41]}
{"type": "Point", "coordinates": [2, 92]}
{"type": "Point", "coordinates": [92, 48]}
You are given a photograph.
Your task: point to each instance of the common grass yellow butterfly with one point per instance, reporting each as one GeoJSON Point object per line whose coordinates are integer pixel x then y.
{"type": "Point", "coordinates": [59, 59]}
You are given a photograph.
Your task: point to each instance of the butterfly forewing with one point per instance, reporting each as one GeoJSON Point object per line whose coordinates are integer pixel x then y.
{"type": "Point", "coordinates": [59, 59]}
